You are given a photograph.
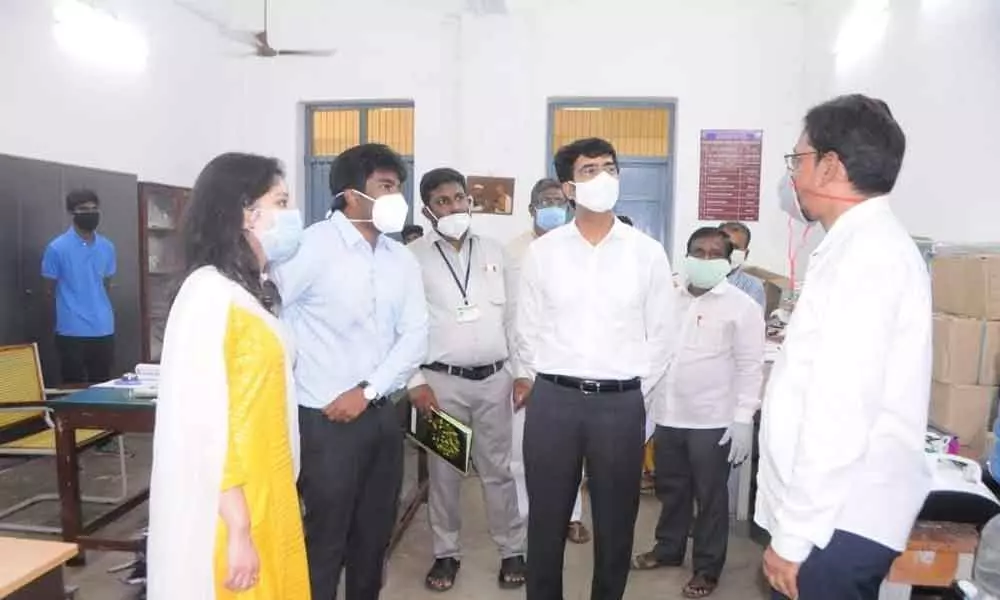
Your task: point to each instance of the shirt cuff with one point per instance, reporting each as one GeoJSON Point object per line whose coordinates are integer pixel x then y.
{"type": "Point", "coordinates": [791, 548]}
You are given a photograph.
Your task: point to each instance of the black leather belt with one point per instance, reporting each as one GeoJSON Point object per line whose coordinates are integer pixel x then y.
{"type": "Point", "coordinates": [472, 373]}
{"type": "Point", "coordinates": [594, 386]}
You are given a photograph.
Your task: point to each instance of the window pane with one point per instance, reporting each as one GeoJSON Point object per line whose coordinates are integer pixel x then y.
{"type": "Point", "coordinates": [393, 127]}
{"type": "Point", "coordinates": [335, 131]}
{"type": "Point", "coordinates": [632, 131]}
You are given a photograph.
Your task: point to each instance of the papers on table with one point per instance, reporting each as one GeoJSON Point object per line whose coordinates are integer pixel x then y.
{"type": "Point", "coordinates": [143, 383]}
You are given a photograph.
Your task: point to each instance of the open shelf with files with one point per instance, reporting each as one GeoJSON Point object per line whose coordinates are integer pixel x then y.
{"type": "Point", "coordinates": [161, 258]}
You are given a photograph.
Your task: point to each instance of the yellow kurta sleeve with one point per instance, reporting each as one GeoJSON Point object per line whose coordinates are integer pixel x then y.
{"type": "Point", "coordinates": [245, 376]}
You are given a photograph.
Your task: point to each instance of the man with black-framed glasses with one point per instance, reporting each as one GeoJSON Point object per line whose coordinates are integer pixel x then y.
{"type": "Point", "coordinates": [842, 468]}
{"type": "Point", "coordinates": [595, 331]}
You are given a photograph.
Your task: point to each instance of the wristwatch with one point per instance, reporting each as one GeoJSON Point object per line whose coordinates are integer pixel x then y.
{"type": "Point", "coordinates": [368, 391]}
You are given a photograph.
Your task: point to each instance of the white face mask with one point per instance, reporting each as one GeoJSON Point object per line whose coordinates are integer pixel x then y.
{"type": "Point", "coordinates": [599, 194]}
{"type": "Point", "coordinates": [388, 212]}
{"type": "Point", "coordinates": [789, 198]}
{"type": "Point", "coordinates": [738, 259]}
{"type": "Point", "coordinates": [454, 226]}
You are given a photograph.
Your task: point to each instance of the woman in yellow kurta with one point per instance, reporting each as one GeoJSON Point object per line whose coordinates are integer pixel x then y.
{"type": "Point", "coordinates": [224, 514]}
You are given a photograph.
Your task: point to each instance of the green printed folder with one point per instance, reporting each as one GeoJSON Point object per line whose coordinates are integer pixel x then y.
{"type": "Point", "coordinates": [443, 435]}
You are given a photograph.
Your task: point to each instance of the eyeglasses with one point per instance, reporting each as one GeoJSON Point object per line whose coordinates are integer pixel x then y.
{"type": "Point", "coordinates": [792, 160]}
{"type": "Point", "coordinates": [594, 170]}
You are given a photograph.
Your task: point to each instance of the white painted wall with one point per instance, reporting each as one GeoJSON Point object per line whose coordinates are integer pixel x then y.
{"type": "Point", "coordinates": [163, 124]}
{"type": "Point", "coordinates": [938, 67]}
{"type": "Point", "coordinates": [481, 85]}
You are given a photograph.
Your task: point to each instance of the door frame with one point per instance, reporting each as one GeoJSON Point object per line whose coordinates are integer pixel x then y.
{"type": "Point", "coordinates": [362, 106]}
{"type": "Point", "coordinates": [671, 104]}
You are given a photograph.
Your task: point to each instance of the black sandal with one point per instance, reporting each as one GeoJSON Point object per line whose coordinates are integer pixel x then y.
{"type": "Point", "coordinates": [513, 571]}
{"type": "Point", "coordinates": [700, 586]}
{"type": "Point", "coordinates": [441, 577]}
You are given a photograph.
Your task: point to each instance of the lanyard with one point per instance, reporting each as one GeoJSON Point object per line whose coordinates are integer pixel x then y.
{"type": "Point", "coordinates": [468, 269]}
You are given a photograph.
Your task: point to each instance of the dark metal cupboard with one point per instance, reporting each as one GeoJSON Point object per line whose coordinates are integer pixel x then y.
{"type": "Point", "coordinates": [32, 212]}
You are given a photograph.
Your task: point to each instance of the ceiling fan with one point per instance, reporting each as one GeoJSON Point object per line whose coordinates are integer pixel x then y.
{"type": "Point", "coordinates": [256, 39]}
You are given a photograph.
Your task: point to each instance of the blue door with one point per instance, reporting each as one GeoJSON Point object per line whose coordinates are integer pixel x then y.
{"type": "Point", "coordinates": [645, 197]}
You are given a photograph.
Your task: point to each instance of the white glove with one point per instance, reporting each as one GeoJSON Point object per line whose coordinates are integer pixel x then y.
{"type": "Point", "coordinates": [741, 436]}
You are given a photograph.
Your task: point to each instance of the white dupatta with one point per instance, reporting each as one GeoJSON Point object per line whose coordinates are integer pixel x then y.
{"type": "Point", "coordinates": [191, 436]}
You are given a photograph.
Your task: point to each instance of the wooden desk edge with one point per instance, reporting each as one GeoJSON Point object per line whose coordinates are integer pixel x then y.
{"type": "Point", "coordinates": [66, 551]}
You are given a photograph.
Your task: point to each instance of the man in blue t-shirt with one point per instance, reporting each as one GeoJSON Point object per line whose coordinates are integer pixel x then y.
{"type": "Point", "coordinates": [77, 267]}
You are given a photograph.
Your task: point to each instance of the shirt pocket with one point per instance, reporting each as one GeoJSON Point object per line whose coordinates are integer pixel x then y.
{"type": "Point", "coordinates": [496, 287]}
{"type": "Point", "coordinates": [709, 336]}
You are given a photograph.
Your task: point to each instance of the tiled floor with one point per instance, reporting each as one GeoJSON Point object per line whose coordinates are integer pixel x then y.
{"type": "Point", "coordinates": [411, 559]}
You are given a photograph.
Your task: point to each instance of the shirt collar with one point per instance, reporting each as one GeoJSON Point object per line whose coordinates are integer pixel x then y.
{"type": "Point", "coordinates": [719, 290]}
{"type": "Point", "coordinates": [434, 237]}
{"type": "Point", "coordinates": [855, 217]}
{"type": "Point", "coordinates": [76, 235]}
{"type": "Point", "coordinates": [349, 233]}
{"type": "Point", "coordinates": [618, 230]}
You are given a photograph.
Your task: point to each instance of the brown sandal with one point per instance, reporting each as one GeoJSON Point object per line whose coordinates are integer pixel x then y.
{"type": "Point", "coordinates": [647, 561]}
{"type": "Point", "coordinates": [700, 586]}
{"type": "Point", "coordinates": [578, 533]}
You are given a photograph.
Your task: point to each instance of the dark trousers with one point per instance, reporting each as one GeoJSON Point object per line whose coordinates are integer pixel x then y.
{"type": "Point", "coordinates": [563, 429]}
{"type": "Point", "coordinates": [350, 483]}
{"type": "Point", "coordinates": [85, 359]}
{"type": "Point", "coordinates": [691, 467]}
{"type": "Point", "coordinates": [849, 568]}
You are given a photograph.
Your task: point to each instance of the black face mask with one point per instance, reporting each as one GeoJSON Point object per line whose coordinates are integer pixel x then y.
{"type": "Point", "coordinates": [87, 221]}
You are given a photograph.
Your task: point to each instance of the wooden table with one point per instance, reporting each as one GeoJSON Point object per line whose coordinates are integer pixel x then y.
{"type": "Point", "coordinates": [118, 410]}
{"type": "Point", "coordinates": [95, 408]}
{"type": "Point", "coordinates": [32, 569]}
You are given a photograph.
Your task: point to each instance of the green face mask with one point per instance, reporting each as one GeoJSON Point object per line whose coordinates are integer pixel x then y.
{"type": "Point", "coordinates": [706, 273]}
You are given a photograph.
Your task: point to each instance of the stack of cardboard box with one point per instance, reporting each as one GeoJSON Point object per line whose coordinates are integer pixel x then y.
{"type": "Point", "coordinates": [966, 347]}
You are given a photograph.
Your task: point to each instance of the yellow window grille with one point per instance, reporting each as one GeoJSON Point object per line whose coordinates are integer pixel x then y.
{"type": "Point", "coordinates": [392, 126]}
{"type": "Point", "coordinates": [335, 130]}
{"type": "Point", "coordinates": [633, 131]}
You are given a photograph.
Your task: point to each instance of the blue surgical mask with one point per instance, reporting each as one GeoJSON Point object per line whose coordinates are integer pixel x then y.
{"type": "Point", "coordinates": [704, 273]}
{"type": "Point", "coordinates": [281, 240]}
{"type": "Point", "coordinates": [550, 217]}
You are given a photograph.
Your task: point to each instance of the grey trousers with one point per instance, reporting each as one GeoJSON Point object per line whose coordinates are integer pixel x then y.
{"type": "Point", "coordinates": [486, 407]}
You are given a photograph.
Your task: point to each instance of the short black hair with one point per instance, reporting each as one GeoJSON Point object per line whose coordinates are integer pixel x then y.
{"type": "Point", "coordinates": [866, 137]}
{"type": "Point", "coordinates": [736, 226]}
{"type": "Point", "coordinates": [437, 177]}
{"type": "Point", "coordinates": [590, 147]}
{"type": "Point", "coordinates": [82, 196]}
{"type": "Point", "coordinates": [711, 232]}
{"type": "Point", "coordinates": [540, 186]}
{"type": "Point", "coordinates": [409, 230]}
{"type": "Point", "coordinates": [352, 168]}
{"type": "Point", "coordinates": [626, 219]}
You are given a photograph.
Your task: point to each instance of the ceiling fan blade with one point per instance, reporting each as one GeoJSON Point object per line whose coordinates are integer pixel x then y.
{"type": "Point", "coordinates": [249, 38]}
{"type": "Point", "coordinates": [305, 52]}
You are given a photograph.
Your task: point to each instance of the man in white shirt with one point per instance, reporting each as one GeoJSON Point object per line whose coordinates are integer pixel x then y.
{"type": "Point", "coordinates": [464, 376]}
{"type": "Point", "coordinates": [594, 324]}
{"type": "Point", "coordinates": [842, 469]}
{"type": "Point", "coordinates": [549, 209]}
{"type": "Point", "coordinates": [704, 421]}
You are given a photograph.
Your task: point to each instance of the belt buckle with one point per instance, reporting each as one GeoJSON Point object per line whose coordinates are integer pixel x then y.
{"type": "Point", "coordinates": [589, 386]}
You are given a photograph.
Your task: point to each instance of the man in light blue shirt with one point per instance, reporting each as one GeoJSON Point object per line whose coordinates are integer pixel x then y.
{"type": "Point", "coordinates": [77, 268]}
{"type": "Point", "coordinates": [739, 234]}
{"type": "Point", "coordinates": [354, 301]}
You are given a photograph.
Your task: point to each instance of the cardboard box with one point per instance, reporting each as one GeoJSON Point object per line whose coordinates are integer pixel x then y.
{"type": "Point", "coordinates": [964, 410]}
{"type": "Point", "coordinates": [966, 351]}
{"type": "Point", "coordinates": [936, 555]}
{"type": "Point", "coordinates": [967, 285]}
